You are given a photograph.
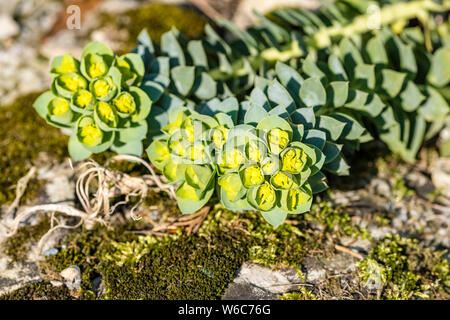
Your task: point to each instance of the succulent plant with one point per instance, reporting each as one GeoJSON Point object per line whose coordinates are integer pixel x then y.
{"type": "Point", "coordinates": [99, 100]}
{"type": "Point", "coordinates": [271, 147]}
{"type": "Point", "coordinates": [191, 72]}
{"type": "Point", "coordinates": [325, 96]}
{"type": "Point", "coordinates": [405, 67]}
{"type": "Point", "coordinates": [184, 155]}
{"type": "Point", "coordinates": [256, 121]}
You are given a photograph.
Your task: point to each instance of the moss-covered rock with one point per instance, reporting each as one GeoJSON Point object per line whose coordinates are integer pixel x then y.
{"type": "Point", "coordinates": [157, 19]}
{"type": "Point", "coordinates": [39, 291]}
{"type": "Point", "coordinates": [17, 246]}
{"type": "Point", "coordinates": [199, 266]}
{"type": "Point", "coordinates": [401, 268]}
{"type": "Point", "coordinates": [23, 136]}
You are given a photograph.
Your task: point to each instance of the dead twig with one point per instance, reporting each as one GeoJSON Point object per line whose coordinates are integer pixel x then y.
{"type": "Point", "coordinates": [349, 251]}
{"type": "Point", "coordinates": [191, 223]}
{"type": "Point", "coordinates": [20, 190]}
{"type": "Point", "coordinates": [96, 205]}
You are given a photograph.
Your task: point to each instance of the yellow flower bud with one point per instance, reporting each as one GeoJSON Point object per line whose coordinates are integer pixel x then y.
{"type": "Point", "coordinates": [219, 136]}
{"type": "Point", "coordinates": [254, 151]}
{"type": "Point", "coordinates": [232, 185]}
{"type": "Point", "coordinates": [282, 181]}
{"type": "Point", "coordinates": [277, 140]}
{"type": "Point", "coordinates": [188, 126]}
{"type": "Point", "coordinates": [83, 98]}
{"type": "Point", "coordinates": [252, 176]}
{"type": "Point", "coordinates": [174, 126]}
{"type": "Point", "coordinates": [293, 160]}
{"type": "Point", "coordinates": [106, 113]}
{"type": "Point", "coordinates": [162, 150]}
{"type": "Point", "coordinates": [102, 87]}
{"type": "Point", "coordinates": [196, 152]}
{"type": "Point", "coordinates": [89, 133]}
{"type": "Point", "coordinates": [270, 166]}
{"type": "Point", "coordinates": [231, 159]}
{"type": "Point", "coordinates": [58, 106]}
{"type": "Point", "coordinates": [68, 65]}
{"type": "Point", "coordinates": [296, 197]}
{"type": "Point", "coordinates": [124, 103]}
{"type": "Point", "coordinates": [177, 148]}
{"type": "Point", "coordinates": [265, 197]}
{"type": "Point", "coordinates": [72, 82]}
{"type": "Point", "coordinates": [96, 66]}
{"type": "Point", "coordinates": [125, 69]}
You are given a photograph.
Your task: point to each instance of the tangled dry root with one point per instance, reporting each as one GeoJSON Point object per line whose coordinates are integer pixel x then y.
{"type": "Point", "coordinates": [95, 187]}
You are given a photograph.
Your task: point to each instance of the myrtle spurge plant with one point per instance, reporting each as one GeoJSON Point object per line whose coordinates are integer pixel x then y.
{"type": "Point", "coordinates": [98, 98]}
{"type": "Point", "coordinates": [273, 166]}
{"type": "Point", "coordinates": [258, 120]}
{"type": "Point", "coordinates": [394, 54]}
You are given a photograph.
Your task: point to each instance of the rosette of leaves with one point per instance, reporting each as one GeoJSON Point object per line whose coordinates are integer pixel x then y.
{"type": "Point", "coordinates": [182, 72]}
{"type": "Point", "coordinates": [406, 67]}
{"type": "Point", "coordinates": [395, 68]}
{"type": "Point", "coordinates": [266, 167]}
{"type": "Point", "coordinates": [315, 114]}
{"type": "Point", "coordinates": [98, 98]}
{"type": "Point", "coordinates": [407, 77]}
{"type": "Point", "coordinates": [185, 154]}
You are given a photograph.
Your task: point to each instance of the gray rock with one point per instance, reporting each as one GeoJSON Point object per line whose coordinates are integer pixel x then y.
{"type": "Point", "coordinates": [16, 275]}
{"type": "Point", "coordinates": [381, 187]}
{"type": "Point", "coordinates": [51, 252]}
{"type": "Point", "coordinates": [72, 277]}
{"type": "Point", "coordinates": [313, 270]}
{"type": "Point", "coordinates": [246, 291]}
{"type": "Point", "coordinates": [257, 282]}
{"type": "Point", "coordinates": [9, 27]}
{"type": "Point", "coordinates": [440, 175]}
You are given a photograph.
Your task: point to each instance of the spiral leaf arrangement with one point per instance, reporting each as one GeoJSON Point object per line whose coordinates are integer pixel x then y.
{"type": "Point", "coordinates": [259, 120]}
{"type": "Point", "coordinates": [99, 100]}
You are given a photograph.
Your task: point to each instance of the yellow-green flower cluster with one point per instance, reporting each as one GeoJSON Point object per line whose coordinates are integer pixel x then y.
{"type": "Point", "coordinates": [264, 168]}
{"type": "Point", "coordinates": [185, 155]}
{"type": "Point", "coordinates": [249, 167]}
{"type": "Point", "coordinates": [98, 98]}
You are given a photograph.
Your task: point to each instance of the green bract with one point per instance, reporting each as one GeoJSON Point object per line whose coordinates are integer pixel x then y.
{"type": "Point", "coordinates": [185, 156]}
{"type": "Point", "coordinates": [99, 99]}
{"type": "Point", "coordinates": [262, 167]}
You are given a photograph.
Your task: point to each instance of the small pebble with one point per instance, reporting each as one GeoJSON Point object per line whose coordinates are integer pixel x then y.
{"type": "Point", "coordinates": [51, 252]}
{"type": "Point", "coordinates": [72, 277]}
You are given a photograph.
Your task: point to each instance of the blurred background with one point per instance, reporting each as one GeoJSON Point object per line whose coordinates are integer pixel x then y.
{"type": "Point", "coordinates": [33, 31]}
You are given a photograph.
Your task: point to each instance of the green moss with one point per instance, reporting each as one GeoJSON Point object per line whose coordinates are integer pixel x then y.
{"type": "Point", "coordinates": [399, 188]}
{"type": "Point", "coordinates": [190, 267]}
{"type": "Point", "coordinates": [403, 269]}
{"type": "Point", "coordinates": [23, 136]}
{"type": "Point", "coordinates": [18, 245]}
{"type": "Point", "coordinates": [178, 266]}
{"type": "Point", "coordinates": [85, 249]}
{"type": "Point", "coordinates": [157, 18]}
{"type": "Point", "coordinates": [336, 221]}
{"type": "Point", "coordinates": [303, 294]}
{"type": "Point", "coordinates": [39, 291]}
